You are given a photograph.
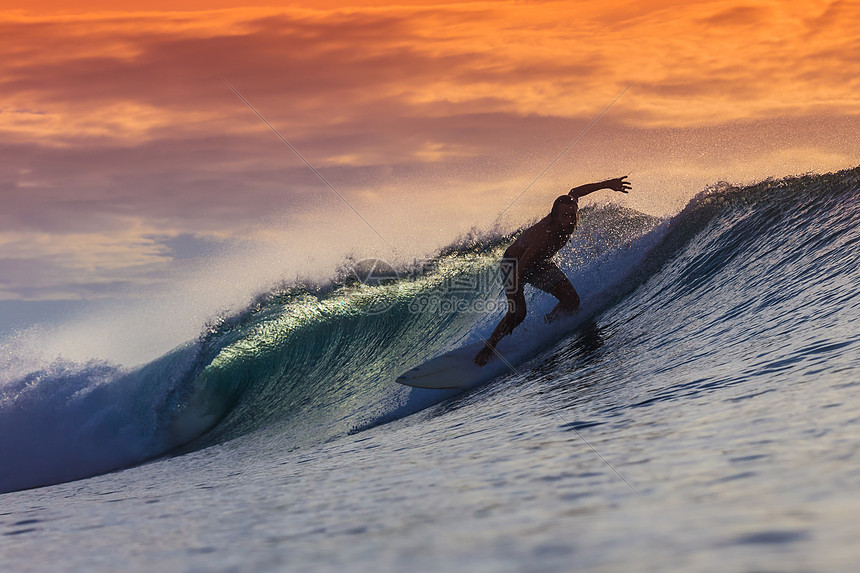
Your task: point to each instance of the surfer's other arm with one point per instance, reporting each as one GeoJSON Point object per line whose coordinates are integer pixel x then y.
{"type": "Point", "coordinates": [619, 184]}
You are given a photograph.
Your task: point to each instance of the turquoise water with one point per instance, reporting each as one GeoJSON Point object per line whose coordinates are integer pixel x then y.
{"type": "Point", "coordinates": [700, 415]}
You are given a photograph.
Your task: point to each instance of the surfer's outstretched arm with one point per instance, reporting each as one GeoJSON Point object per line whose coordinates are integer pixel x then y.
{"type": "Point", "coordinates": [620, 184]}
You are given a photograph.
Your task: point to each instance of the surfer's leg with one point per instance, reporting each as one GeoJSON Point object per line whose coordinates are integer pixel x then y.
{"type": "Point", "coordinates": [568, 299]}
{"type": "Point", "coordinates": [515, 315]}
{"type": "Point", "coordinates": [549, 278]}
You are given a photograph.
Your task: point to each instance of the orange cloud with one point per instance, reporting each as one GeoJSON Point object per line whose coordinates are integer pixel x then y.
{"type": "Point", "coordinates": [691, 64]}
{"type": "Point", "coordinates": [118, 119]}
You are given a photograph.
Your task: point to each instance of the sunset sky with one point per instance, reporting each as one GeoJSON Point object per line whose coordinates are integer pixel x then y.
{"type": "Point", "coordinates": [125, 158]}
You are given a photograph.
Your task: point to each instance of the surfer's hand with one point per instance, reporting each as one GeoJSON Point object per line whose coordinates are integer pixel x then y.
{"type": "Point", "coordinates": [621, 184]}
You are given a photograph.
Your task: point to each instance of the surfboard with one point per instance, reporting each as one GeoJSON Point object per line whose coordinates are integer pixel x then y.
{"type": "Point", "coordinates": [456, 369]}
{"type": "Point", "coordinates": [453, 369]}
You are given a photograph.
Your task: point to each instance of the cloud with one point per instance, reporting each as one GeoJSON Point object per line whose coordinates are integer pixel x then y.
{"type": "Point", "coordinates": [135, 77]}
{"type": "Point", "coordinates": [37, 266]}
{"type": "Point", "coordinates": [738, 16]}
{"type": "Point", "coordinates": [122, 147]}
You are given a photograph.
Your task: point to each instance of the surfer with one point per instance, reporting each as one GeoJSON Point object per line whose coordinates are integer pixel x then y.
{"type": "Point", "coordinates": [529, 260]}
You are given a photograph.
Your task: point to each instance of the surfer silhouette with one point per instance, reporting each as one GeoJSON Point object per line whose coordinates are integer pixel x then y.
{"type": "Point", "coordinates": [529, 261]}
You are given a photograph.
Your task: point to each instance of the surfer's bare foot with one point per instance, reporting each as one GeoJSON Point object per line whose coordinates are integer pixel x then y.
{"type": "Point", "coordinates": [554, 315]}
{"type": "Point", "coordinates": [483, 356]}
{"type": "Point", "coordinates": [558, 312]}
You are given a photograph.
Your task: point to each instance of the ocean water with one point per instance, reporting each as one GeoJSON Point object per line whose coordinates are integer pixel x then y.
{"type": "Point", "coordinates": [700, 414]}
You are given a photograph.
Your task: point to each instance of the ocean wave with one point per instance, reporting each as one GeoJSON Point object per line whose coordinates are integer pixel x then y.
{"type": "Point", "coordinates": [314, 361]}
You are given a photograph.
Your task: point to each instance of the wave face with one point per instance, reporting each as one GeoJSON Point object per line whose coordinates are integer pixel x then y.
{"type": "Point", "coordinates": [309, 366]}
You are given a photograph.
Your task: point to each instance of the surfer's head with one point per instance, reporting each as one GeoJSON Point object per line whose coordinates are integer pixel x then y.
{"type": "Point", "coordinates": [564, 210]}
